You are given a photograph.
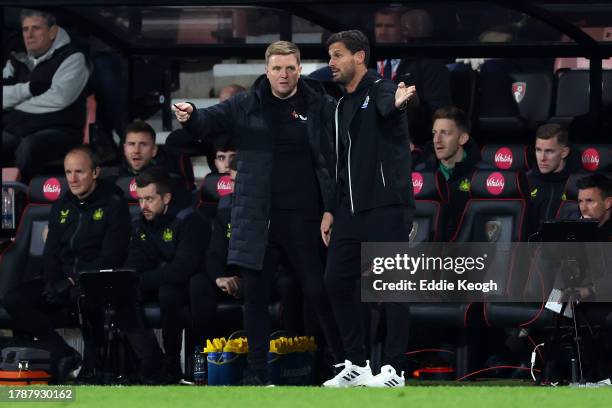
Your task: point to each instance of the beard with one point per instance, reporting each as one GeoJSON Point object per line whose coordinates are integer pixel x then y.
{"type": "Point", "coordinates": [345, 76]}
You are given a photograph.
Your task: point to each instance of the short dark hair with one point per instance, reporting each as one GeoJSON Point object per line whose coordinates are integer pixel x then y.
{"type": "Point", "coordinates": [391, 10]}
{"type": "Point", "coordinates": [597, 180]}
{"type": "Point", "coordinates": [233, 164]}
{"type": "Point", "coordinates": [224, 143]}
{"type": "Point", "coordinates": [89, 151]}
{"type": "Point", "coordinates": [139, 126]}
{"type": "Point", "coordinates": [155, 175]}
{"type": "Point", "coordinates": [353, 40]}
{"type": "Point", "coordinates": [453, 113]}
{"type": "Point", "coordinates": [549, 130]}
{"type": "Point", "coordinates": [50, 18]}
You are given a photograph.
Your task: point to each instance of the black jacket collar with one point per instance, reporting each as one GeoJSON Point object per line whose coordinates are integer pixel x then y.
{"type": "Point", "coordinates": [100, 196]}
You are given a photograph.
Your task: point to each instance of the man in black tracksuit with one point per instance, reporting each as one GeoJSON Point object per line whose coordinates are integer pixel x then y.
{"type": "Point", "coordinates": [547, 180]}
{"type": "Point", "coordinates": [283, 128]}
{"type": "Point", "coordinates": [455, 154]}
{"type": "Point", "coordinates": [167, 248]}
{"type": "Point", "coordinates": [374, 188]}
{"type": "Point", "coordinates": [88, 230]}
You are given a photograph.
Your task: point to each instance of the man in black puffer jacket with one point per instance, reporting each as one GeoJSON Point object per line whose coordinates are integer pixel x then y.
{"type": "Point", "coordinates": [283, 129]}
{"type": "Point", "coordinates": [89, 229]}
{"type": "Point", "coordinates": [167, 248]}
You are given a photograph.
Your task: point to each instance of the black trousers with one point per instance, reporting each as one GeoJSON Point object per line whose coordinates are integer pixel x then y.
{"type": "Point", "coordinates": [342, 279]}
{"type": "Point", "coordinates": [203, 299]}
{"type": "Point", "coordinates": [173, 306]}
{"type": "Point", "coordinates": [297, 240]}
{"type": "Point", "coordinates": [33, 151]}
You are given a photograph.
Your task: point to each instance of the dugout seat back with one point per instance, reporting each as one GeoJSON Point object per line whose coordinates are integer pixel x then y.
{"type": "Point", "coordinates": [214, 186]}
{"type": "Point", "coordinates": [23, 258]}
{"type": "Point", "coordinates": [573, 93]}
{"type": "Point", "coordinates": [504, 157]}
{"type": "Point", "coordinates": [514, 102]}
{"type": "Point", "coordinates": [594, 157]}
{"type": "Point", "coordinates": [497, 199]}
{"type": "Point", "coordinates": [568, 209]}
{"type": "Point", "coordinates": [463, 90]}
{"type": "Point", "coordinates": [429, 190]}
{"type": "Point", "coordinates": [127, 184]}
{"type": "Point", "coordinates": [497, 213]}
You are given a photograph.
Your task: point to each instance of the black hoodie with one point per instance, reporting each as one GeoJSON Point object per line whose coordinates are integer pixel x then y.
{"type": "Point", "coordinates": [88, 234]}
{"type": "Point", "coordinates": [547, 192]}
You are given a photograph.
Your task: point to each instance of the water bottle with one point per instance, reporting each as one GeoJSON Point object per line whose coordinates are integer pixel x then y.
{"type": "Point", "coordinates": [199, 367]}
{"type": "Point", "coordinates": [8, 221]}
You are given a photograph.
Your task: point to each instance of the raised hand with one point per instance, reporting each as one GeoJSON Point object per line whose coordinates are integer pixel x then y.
{"type": "Point", "coordinates": [405, 95]}
{"type": "Point", "coordinates": [182, 111]}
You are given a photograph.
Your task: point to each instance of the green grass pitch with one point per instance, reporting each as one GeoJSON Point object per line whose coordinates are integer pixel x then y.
{"type": "Point", "coordinates": [296, 397]}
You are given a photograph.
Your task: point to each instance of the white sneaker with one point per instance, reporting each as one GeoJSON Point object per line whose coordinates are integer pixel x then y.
{"type": "Point", "coordinates": [387, 378]}
{"type": "Point", "coordinates": [351, 376]}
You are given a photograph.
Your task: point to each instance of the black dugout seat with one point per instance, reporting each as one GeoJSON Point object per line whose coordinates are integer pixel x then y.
{"type": "Point", "coordinates": [513, 103]}
{"type": "Point", "coordinates": [463, 90]}
{"type": "Point", "coordinates": [595, 157]}
{"type": "Point", "coordinates": [429, 190]}
{"type": "Point", "coordinates": [573, 94]}
{"type": "Point", "coordinates": [568, 209]}
{"type": "Point", "coordinates": [214, 186]}
{"type": "Point", "coordinates": [127, 184]}
{"type": "Point", "coordinates": [23, 259]}
{"type": "Point", "coordinates": [504, 157]}
{"type": "Point", "coordinates": [495, 196]}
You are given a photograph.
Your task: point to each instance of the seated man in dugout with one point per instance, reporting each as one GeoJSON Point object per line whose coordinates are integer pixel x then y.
{"type": "Point", "coordinates": [43, 95]}
{"type": "Point", "coordinates": [141, 152]}
{"type": "Point", "coordinates": [167, 248]}
{"type": "Point", "coordinates": [88, 230]}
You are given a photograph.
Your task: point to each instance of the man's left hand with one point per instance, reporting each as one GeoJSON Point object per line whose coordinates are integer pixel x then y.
{"type": "Point", "coordinates": [405, 95]}
{"type": "Point", "coordinates": [326, 227]}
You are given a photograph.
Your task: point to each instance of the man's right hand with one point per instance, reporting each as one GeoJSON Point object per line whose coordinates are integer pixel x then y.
{"type": "Point", "coordinates": [230, 285]}
{"type": "Point", "coordinates": [182, 111]}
